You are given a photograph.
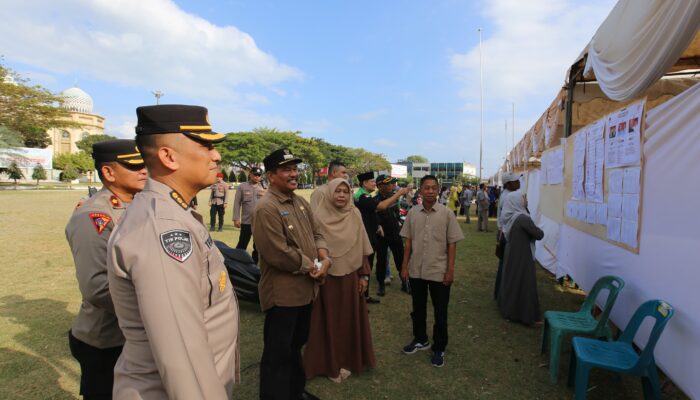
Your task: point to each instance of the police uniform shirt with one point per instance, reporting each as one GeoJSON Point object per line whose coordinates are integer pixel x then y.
{"type": "Point", "coordinates": [174, 301]}
{"type": "Point", "coordinates": [367, 204]}
{"type": "Point", "coordinates": [247, 195]}
{"type": "Point", "coordinates": [87, 233]}
{"type": "Point", "coordinates": [219, 194]}
{"type": "Point", "coordinates": [389, 219]}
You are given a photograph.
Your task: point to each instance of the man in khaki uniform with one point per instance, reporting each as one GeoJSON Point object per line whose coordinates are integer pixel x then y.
{"type": "Point", "coordinates": [247, 196]}
{"type": "Point", "coordinates": [95, 339]}
{"type": "Point", "coordinates": [218, 200]}
{"type": "Point", "coordinates": [336, 169]}
{"type": "Point", "coordinates": [168, 281]}
{"type": "Point", "coordinates": [289, 241]}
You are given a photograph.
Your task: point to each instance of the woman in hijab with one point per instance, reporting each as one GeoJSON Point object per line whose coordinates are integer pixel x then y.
{"type": "Point", "coordinates": [340, 341]}
{"type": "Point", "coordinates": [517, 298]}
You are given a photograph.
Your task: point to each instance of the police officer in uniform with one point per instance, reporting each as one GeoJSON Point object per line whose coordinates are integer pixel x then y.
{"type": "Point", "coordinates": [168, 281]}
{"type": "Point", "coordinates": [247, 196]}
{"type": "Point", "coordinates": [218, 200]}
{"type": "Point", "coordinates": [95, 339]}
{"type": "Point", "coordinates": [390, 221]}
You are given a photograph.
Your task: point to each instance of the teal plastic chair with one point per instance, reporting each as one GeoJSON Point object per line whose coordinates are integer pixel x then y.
{"type": "Point", "coordinates": [559, 323]}
{"type": "Point", "coordinates": [620, 356]}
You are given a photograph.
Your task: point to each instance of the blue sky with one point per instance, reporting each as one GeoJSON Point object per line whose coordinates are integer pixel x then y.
{"type": "Point", "coordinates": [395, 77]}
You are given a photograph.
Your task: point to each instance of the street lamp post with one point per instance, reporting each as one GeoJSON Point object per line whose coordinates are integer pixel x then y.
{"type": "Point", "coordinates": [481, 102]}
{"type": "Point", "coordinates": [158, 94]}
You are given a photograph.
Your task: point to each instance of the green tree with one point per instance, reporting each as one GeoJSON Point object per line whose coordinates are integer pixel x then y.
{"type": "Point", "coordinates": [39, 174]}
{"type": "Point", "coordinates": [9, 139]}
{"type": "Point", "coordinates": [69, 173]}
{"type": "Point", "coordinates": [416, 158]}
{"type": "Point", "coordinates": [30, 110]}
{"type": "Point", "coordinates": [81, 161]}
{"type": "Point", "coordinates": [363, 160]}
{"type": "Point", "coordinates": [85, 144]}
{"type": "Point", "coordinates": [242, 177]}
{"type": "Point", "coordinates": [14, 173]}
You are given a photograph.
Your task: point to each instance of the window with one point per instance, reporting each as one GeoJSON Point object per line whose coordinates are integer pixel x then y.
{"type": "Point", "coordinates": [65, 135]}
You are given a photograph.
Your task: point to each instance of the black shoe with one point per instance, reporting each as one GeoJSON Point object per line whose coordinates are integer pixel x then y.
{"type": "Point", "coordinates": [372, 300]}
{"type": "Point", "coordinates": [220, 229]}
{"type": "Point", "coordinates": [211, 229]}
{"type": "Point", "coordinates": [308, 396]}
{"type": "Point", "coordinates": [381, 292]}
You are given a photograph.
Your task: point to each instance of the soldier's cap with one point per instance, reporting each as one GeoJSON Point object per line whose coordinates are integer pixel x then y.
{"type": "Point", "coordinates": [123, 151]}
{"type": "Point", "coordinates": [192, 121]}
{"type": "Point", "coordinates": [279, 158]}
{"type": "Point", "coordinates": [365, 176]}
{"type": "Point", "coordinates": [510, 177]}
{"type": "Point", "coordinates": [256, 171]}
{"type": "Point", "coordinates": [383, 178]}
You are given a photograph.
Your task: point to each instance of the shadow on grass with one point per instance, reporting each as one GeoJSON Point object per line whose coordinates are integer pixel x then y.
{"type": "Point", "coordinates": [47, 322]}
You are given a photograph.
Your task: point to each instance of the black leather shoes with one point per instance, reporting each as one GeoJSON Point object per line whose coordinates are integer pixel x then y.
{"type": "Point", "coordinates": [307, 396]}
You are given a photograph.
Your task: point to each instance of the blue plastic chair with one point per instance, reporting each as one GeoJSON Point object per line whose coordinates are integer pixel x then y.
{"type": "Point", "coordinates": [560, 323]}
{"type": "Point", "coordinates": [620, 356]}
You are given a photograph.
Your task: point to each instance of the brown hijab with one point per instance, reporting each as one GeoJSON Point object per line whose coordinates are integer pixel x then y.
{"type": "Point", "coordinates": [343, 230]}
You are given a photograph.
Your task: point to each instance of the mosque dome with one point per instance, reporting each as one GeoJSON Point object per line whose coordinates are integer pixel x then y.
{"type": "Point", "coordinates": [75, 99]}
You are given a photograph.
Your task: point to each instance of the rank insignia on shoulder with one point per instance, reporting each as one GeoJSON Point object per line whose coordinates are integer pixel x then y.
{"type": "Point", "coordinates": [177, 244]}
{"type": "Point", "coordinates": [115, 202]}
{"type": "Point", "coordinates": [100, 221]}
{"type": "Point", "coordinates": [222, 281]}
{"type": "Point", "coordinates": [209, 242]}
{"type": "Point", "coordinates": [179, 200]}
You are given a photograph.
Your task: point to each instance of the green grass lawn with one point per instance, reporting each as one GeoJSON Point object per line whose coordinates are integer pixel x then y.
{"type": "Point", "coordinates": [487, 357]}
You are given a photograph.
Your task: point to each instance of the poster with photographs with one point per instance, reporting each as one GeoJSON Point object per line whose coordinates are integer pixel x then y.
{"type": "Point", "coordinates": [623, 139]}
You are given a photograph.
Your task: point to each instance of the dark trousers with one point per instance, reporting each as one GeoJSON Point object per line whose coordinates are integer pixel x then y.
{"type": "Point", "coordinates": [384, 244]}
{"type": "Point", "coordinates": [281, 370]}
{"type": "Point", "coordinates": [244, 239]}
{"type": "Point", "coordinates": [440, 297]}
{"type": "Point", "coordinates": [375, 245]}
{"type": "Point", "coordinates": [499, 273]}
{"type": "Point", "coordinates": [213, 211]}
{"type": "Point", "coordinates": [96, 368]}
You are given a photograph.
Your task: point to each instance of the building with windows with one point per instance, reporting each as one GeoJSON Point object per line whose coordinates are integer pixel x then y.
{"type": "Point", "coordinates": [79, 104]}
{"type": "Point", "coordinates": [449, 170]}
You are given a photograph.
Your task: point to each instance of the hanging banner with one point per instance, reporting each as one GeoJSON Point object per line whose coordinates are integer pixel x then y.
{"type": "Point", "coordinates": [26, 157]}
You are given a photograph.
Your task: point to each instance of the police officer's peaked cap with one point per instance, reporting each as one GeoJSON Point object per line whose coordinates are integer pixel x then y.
{"type": "Point", "coordinates": [365, 176]}
{"type": "Point", "coordinates": [123, 151]}
{"type": "Point", "coordinates": [192, 121]}
{"type": "Point", "coordinates": [385, 179]}
{"type": "Point", "coordinates": [279, 158]}
{"type": "Point", "coordinates": [256, 171]}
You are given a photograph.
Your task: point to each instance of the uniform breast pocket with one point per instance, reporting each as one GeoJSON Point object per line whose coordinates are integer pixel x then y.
{"type": "Point", "coordinates": [218, 277]}
{"type": "Point", "coordinates": [247, 196]}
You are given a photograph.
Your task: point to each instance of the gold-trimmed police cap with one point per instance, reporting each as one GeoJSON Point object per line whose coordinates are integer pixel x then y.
{"type": "Point", "coordinates": [123, 151]}
{"type": "Point", "coordinates": [192, 121]}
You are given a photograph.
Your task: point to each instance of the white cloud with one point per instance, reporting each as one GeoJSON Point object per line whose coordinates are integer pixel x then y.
{"type": "Point", "coordinates": [149, 44]}
{"type": "Point", "coordinates": [384, 142]}
{"type": "Point", "coordinates": [315, 127]}
{"type": "Point", "coordinates": [529, 48]}
{"type": "Point", "coordinates": [121, 126]}
{"type": "Point", "coordinates": [371, 115]}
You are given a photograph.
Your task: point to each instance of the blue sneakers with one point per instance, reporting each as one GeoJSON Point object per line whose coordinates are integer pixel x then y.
{"type": "Point", "coordinates": [414, 346]}
{"type": "Point", "coordinates": [438, 359]}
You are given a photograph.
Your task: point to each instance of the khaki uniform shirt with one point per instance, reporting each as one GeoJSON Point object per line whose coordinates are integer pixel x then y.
{"type": "Point", "coordinates": [288, 240]}
{"type": "Point", "coordinates": [87, 232]}
{"type": "Point", "coordinates": [430, 232]}
{"type": "Point", "coordinates": [174, 301]}
{"type": "Point", "coordinates": [219, 193]}
{"type": "Point", "coordinates": [318, 196]}
{"type": "Point", "coordinates": [247, 196]}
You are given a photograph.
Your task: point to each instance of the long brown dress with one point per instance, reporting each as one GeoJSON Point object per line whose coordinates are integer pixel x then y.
{"type": "Point", "coordinates": [339, 334]}
{"type": "Point", "coordinates": [518, 299]}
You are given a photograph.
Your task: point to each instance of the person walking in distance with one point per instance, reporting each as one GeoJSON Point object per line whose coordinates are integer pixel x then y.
{"type": "Point", "coordinates": [247, 196]}
{"type": "Point", "coordinates": [218, 201]}
{"type": "Point", "coordinates": [482, 202]}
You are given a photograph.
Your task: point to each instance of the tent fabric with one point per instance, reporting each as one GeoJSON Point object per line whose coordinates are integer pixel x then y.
{"type": "Point", "coordinates": [666, 266]}
{"type": "Point", "coordinates": [639, 42]}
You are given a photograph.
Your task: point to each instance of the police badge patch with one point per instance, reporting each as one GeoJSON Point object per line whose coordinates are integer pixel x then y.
{"type": "Point", "coordinates": [100, 221]}
{"type": "Point", "coordinates": [177, 244]}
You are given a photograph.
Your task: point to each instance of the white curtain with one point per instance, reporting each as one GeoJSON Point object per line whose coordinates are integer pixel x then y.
{"type": "Point", "coordinates": [639, 42]}
{"type": "Point", "coordinates": [667, 266]}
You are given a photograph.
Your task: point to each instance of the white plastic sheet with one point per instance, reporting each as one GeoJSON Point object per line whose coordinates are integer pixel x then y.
{"type": "Point", "coordinates": [667, 264]}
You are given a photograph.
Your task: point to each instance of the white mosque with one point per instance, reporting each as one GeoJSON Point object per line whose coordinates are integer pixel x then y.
{"type": "Point", "coordinates": [79, 105]}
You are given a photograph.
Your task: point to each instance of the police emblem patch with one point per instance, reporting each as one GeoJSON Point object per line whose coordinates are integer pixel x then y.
{"type": "Point", "coordinates": [100, 220]}
{"type": "Point", "coordinates": [177, 244]}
